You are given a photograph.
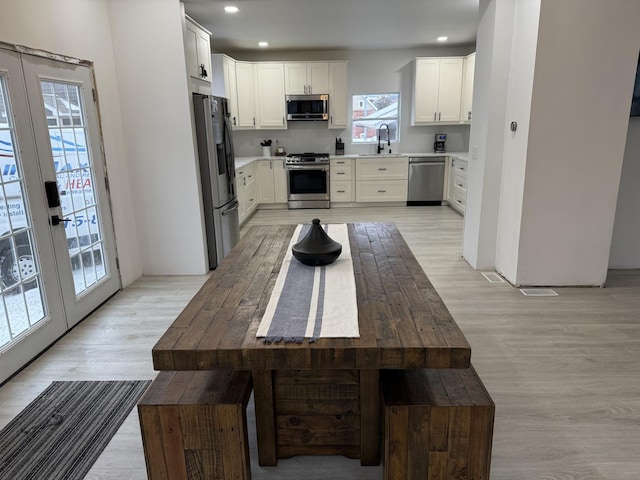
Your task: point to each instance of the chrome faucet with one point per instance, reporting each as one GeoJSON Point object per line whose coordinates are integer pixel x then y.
{"type": "Point", "coordinates": [380, 148]}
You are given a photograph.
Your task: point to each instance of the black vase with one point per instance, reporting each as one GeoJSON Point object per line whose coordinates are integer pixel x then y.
{"type": "Point", "coordinates": [316, 248]}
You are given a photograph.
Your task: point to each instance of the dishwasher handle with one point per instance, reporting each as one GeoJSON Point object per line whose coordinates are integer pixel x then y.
{"type": "Point", "coordinates": [426, 161]}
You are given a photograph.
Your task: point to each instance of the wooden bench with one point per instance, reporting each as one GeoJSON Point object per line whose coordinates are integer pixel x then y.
{"type": "Point", "coordinates": [194, 425]}
{"type": "Point", "coordinates": [438, 424]}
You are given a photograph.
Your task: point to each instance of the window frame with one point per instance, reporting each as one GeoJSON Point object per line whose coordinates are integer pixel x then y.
{"type": "Point", "coordinates": [364, 138]}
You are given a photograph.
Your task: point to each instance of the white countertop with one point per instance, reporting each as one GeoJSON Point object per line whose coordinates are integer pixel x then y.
{"type": "Point", "coordinates": [242, 161]}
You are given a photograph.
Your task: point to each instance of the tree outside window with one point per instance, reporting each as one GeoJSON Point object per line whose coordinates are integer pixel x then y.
{"type": "Point", "coordinates": [370, 111]}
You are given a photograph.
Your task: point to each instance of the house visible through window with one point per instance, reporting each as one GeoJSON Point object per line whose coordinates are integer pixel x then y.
{"type": "Point", "coordinates": [370, 112]}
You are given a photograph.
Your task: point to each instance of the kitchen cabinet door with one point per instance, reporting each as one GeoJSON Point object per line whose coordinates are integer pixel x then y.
{"type": "Point", "coordinates": [197, 50]}
{"type": "Point", "coordinates": [271, 104]}
{"type": "Point", "coordinates": [295, 78]}
{"type": "Point", "coordinates": [450, 90]}
{"type": "Point", "coordinates": [338, 98]}
{"type": "Point", "coordinates": [437, 91]}
{"type": "Point", "coordinates": [467, 88]}
{"type": "Point", "coordinates": [246, 94]}
{"type": "Point", "coordinates": [223, 83]}
{"type": "Point", "coordinates": [425, 91]}
{"type": "Point", "coordinates": [279, 181]}
{"type": "Point", "coordinates": [265, 182]}
{"type": "Point", "coordinates": [318, 78]}
{"type": "Point", "coordinates": [303, 78]}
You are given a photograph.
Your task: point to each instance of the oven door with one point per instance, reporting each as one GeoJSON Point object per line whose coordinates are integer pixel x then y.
{"type": "Point", "coordinates": [308, 184]}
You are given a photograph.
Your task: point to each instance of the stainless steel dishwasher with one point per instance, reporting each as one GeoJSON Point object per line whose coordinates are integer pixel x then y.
{"type": "Point", "coordinates": [426, 180]}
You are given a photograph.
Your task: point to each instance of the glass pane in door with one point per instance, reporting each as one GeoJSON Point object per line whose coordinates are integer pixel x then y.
{"type": "Point", "coordinates": [75, 176]}
{"type": "Point", "coordinates": [22, 305]}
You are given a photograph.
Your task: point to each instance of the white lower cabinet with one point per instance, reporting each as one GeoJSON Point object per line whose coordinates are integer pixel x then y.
{"type": "Point", "coordinates": [341, 180]}
{"type": "Point", "coordinates": [247, 191]}
{"type": "Point", "coordinates": [457, 193]}
{"type": "Point", "coordinates": [382, 179]}
{"type": "Point", "coordinates": [272, 181]}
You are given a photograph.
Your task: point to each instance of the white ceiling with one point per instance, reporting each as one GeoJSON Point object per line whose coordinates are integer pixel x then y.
{"type": "Point", "coordinates": [335, 24]}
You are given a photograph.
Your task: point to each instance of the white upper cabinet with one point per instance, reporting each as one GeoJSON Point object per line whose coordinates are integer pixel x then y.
{"type": "Point", "coordinates": [338, 101]}
{"type": "Point", "coordinates": [246, 91]}
{"type": "Point", "coordinates": [437, 91]}
{"type": "Point", "coordinates": [223, 83]}
{"type": "Point", "coordinates": [467, 88]}
{"type": "Point", "coordinates": [198, 52]}
{"type": "Point", "coordinates": [302, 78]}
{"type": "Point", "coordinates": [271, 104]}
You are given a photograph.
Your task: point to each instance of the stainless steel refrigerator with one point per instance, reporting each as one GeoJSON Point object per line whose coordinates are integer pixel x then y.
{"type": "Point", "coordinates": [217, 175]}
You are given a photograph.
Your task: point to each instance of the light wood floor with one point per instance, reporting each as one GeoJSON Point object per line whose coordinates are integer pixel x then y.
{"type": "Point", "coordinates": [563, 371]}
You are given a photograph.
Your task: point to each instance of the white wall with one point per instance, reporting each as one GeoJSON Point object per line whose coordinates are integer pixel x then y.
{"type": "Point", "coordinates": [53, 26]}
{"type": "Point", "coordinates": [370, 71]}
{"type": "Point", "coordinates": [625, 245]}
{"type": "Point", "coordinates": [521, 77]}
{"type": "Point", "coordinates": [585, 67]}
{"type": "Point", "coordinates": [156, 117]}
{"type": "Point", "coordinates": [487, 137]}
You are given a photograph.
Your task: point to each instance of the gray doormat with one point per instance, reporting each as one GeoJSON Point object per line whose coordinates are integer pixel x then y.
{"type": "Point", "coordinates": [65, 429]}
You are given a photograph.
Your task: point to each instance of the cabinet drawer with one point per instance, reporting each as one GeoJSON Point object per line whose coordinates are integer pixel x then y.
{"type": "Point", "coordinates": [340, 172]}
{"type": "Point", "coordinates": [382, 168]}
{"type": "Point", "coordinates": [248, 172]}
{"type": "Point", "coordinates": [383, 191]}
{"type": "Point", "coordinates": [342, 191]}
{"type": "Point", "coordinates": [459, 181]}
{"type": "Point", "coordinates": [459, 167]}
{"type": "Point", "coordinates": [459, 199]}
{"type": "Point", "coordinates": [340, 162]}
{"type": "Point", "coordinates": [251, 196]}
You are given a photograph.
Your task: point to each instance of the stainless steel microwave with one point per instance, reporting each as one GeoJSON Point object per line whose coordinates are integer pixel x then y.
{"type": "Point", "coordinates": [307, 107]}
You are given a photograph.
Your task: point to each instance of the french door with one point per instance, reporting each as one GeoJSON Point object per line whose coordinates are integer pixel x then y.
{"type": "Point", "coordinates": [57, 247]}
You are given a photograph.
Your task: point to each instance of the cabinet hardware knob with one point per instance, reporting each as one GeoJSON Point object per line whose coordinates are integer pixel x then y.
{"type": "Point", "coordinates": [339, 173]}
{"type": "Point", "coordinates": [254, 120]}
{"type": "Point", "coordinates": [340, 191]}
{"type": "Point", "coordinates": [381, 169]}
{"type": "Point", "coordinates": [382, 191]}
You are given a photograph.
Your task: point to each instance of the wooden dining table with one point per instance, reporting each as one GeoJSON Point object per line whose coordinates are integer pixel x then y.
{"type": "Point", "coordinates": [320, 397]}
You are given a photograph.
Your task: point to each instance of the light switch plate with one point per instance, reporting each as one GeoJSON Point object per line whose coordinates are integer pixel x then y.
{"type": "Point", "coordinates": [474, 152]}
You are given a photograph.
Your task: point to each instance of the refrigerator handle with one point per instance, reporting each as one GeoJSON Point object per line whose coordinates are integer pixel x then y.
{"type": "Point", "coordinates": [231, 168]}
{"type": "Point", "coordinates": [232, 207]}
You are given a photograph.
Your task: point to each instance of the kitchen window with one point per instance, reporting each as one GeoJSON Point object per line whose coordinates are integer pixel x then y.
{"type": "Point", "coordinates": [372, 110]}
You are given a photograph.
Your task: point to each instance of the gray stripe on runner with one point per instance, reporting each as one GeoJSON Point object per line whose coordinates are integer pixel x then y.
{"type": "Point", "coordinates": [317, 328]}
{"type": "Point", "coordinates": [292, 312]}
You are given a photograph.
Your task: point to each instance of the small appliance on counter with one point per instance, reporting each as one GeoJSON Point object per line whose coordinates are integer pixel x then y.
{"type": "Point", "coordinates": [438, 145]}
{"type": "Point", "coordinates": [339, 146]}
{"type": "Point", "coordinates": [279, 152]}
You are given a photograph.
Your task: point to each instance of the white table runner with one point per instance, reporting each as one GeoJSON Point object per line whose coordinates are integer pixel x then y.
{"type": "Point", "coordinates": [313, 302]}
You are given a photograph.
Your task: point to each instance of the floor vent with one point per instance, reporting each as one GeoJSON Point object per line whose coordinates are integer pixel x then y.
{"type": "Point", "coordinates": [493, 277]}
{"type": "Point", "coordinates": [538, 292]}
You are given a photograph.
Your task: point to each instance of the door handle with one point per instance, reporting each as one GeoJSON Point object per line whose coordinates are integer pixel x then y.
{"type": "Point", "coordinates": [56, 220]}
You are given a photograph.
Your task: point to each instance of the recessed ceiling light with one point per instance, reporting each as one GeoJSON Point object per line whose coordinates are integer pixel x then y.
{"type": "Point", "coordinates": [442, 39]}
{"type": "Point", "coordinates": [263, 44]}
{"type": "Point", "coordinates": [230, 9]}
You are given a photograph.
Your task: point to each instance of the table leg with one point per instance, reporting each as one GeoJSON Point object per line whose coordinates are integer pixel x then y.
{"type": "Point", "coordinates": [369, 417]}
{"type": "Point", "coordinates": [265, 417]}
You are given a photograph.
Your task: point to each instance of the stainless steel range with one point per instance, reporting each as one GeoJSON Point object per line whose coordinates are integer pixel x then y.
{"type": "Point", "coordinates": [308, 180]}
